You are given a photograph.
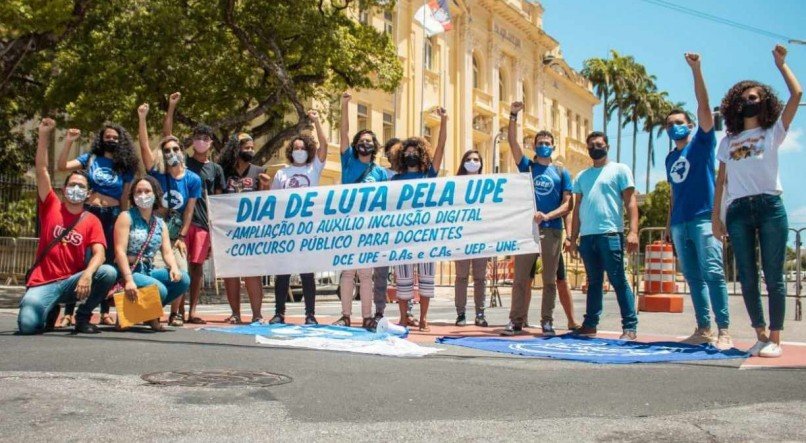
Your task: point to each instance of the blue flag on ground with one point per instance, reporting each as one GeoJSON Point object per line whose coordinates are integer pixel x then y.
{"type": "Point", "coordinates": [298, 331]}
{"type": "Point", "coordinates": [595, 350]}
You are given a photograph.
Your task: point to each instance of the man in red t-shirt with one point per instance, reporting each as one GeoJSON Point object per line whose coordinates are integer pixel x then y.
{"type": "Point", "coordinates": [62, 276]}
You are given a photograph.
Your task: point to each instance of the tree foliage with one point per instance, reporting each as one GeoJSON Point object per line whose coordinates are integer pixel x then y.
{"type": "Point", "coordinates": [240, 64]}
{"type": "Point", "coordinates": [655, 209]}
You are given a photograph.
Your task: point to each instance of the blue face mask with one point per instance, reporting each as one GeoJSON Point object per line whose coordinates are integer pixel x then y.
{"type": "Point", "coordinates": [544, 151]}
{"type": "Point", "coordinates": [678, 132]}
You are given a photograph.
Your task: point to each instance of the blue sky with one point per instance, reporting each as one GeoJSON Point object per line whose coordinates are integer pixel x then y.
{"type": "Point", "coordinates": [658, 37]}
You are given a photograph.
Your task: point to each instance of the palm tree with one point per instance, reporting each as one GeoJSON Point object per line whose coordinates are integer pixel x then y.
{"type": "Point", "coordinates": [622, 72]}
{"type": "Point", "coordinates": [639, 88]}
{"type": "Point", "coordinates": [658, 106]}
{"type": "Point", "coordinates": [597, 71]}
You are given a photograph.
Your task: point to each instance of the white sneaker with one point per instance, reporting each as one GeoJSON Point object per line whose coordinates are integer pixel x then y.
{"type": "Point", "coordinates": [628, 336]}
{"type": "Point", "coordinates": [772, 350]}
{"type": "Point", "coordinates": [700, 336]}
{"type": "Point", "coordinates": [724, 340]}
{"type": "Point", "coordinates": [756, 348]}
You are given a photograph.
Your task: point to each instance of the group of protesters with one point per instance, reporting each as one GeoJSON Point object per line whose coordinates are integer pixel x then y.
{"type": "Point", "coordinates": [117, 231]}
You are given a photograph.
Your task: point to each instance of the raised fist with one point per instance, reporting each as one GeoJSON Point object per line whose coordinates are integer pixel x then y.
{"type": "Point", "coordinates": [142, 111]}
{"type": "Point", "coordinates": [779, 53]}
{"type": "Point", "coordinates": [47, 125]}
{"type": "Point", "coordinates": [442, 112]}
{"type": "Point", "coordinates": [346, 97]}
{"type": "Point", "coordinates": [174, 98]}
{"type": "Point", "coordinates": [516, 107]}
{"type": "Point", "coordinates": [693, 59]}
{"type": "Point", "coordinates": [73, 134]}
{"type": "Point", "coordinates": [313, 116]}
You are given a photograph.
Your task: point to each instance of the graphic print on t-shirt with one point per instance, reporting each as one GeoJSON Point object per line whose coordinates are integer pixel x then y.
{"type": "Point", "coordinates": [299, 181]}
{"type": "Point", "coordinates": [679, 170]}
{"type": "Point", "coordinates": [749, 147]}
{"type": "Point", "coordinates": [241, 184]}
{"type": "Point", "coordinates": [544, 185]}
{"type": "Point", "coordinates": [175, 197]}
{"type": "Point", "coordinates": [104, 176]}
{"type": "Point", "coordinates": [72, 237]}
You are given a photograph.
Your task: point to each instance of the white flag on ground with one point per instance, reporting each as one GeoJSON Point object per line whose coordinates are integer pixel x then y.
{"type": "Point", "coordinates": [390, 346]}
{"type": "Point", "coordinates": [434, 17]}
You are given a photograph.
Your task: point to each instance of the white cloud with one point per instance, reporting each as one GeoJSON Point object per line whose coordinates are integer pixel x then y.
{"type": "Point", "coordinates": [792, 142]}
{"type": "Point", "coordinates": [798, 216]}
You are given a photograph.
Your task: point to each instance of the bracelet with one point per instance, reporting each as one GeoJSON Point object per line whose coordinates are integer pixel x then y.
{"type": "Point", "coordinates": [181, 237]}
{"type": "Point", "coordinates": [513, 116]}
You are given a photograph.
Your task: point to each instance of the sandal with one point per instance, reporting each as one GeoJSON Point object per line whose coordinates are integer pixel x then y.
{"type": "Point", "coordinates": [234, 319]}
{"type": "Point", "coordinates": [424, 327]}
{"type": "Point", "coordinates": [195, 321]}
{"type": "Point", "coordinates": [67, 321]}
{"type": "Point", "coordinates": [343, 321]}
{"type": "Point", "coordinates": [106, 320]}
{"type": "Point", "coordinates": [156, 326]}
{"type": "Point", "coordinates": [410, 321]}
{"type": "Point", "coordinates": [175, 320]}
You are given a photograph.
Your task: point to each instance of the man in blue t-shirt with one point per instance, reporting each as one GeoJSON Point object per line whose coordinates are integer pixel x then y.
{"type": "Point", "coordinates": [553, 199]}
{"type": "Point", "coordinates": [601, 192]}
{"type": "Point", "coordinates": [690, 171]}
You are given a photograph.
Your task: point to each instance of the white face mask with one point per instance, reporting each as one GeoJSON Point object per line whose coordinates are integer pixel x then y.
{"type": "Point", "coordinates": [144, 201]}
{"type": "Point", "coordinates": [75, 194]}
{"type": "Point", "coordinates": [472, 166]}
{"type": "Point", "coordinates": [299, 156]}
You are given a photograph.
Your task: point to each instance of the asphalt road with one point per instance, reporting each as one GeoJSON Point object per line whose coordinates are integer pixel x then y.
{"type": "Point", "coordinates": [65, 387]}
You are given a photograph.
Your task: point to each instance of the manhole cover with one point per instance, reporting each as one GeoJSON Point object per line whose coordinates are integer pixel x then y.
{"type": "Point", "coordinates": [216, 379]}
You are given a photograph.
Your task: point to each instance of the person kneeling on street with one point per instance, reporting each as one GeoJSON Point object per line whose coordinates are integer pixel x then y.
{"type": "Point", "coordinates": [139, 234]}
{"type": "Point", "coordinates": [59, 274]}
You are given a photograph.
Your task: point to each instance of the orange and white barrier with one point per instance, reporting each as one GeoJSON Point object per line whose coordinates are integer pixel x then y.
{"type": "Point", "coordinates": [659, 282]}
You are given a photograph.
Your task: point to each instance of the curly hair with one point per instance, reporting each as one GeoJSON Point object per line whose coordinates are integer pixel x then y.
{"type": "Point", "coordinates": [462, 170]}
{"type": "Point", "coordinates": [307, 141]}
{"type": "Point", "coordinates": [731, 108]}
{"type": "Point", "coordinates": [155, 187]}
{"type": "Point", "coordinates": [124, 160]}
{"type": "Point", "coordinates": [392, 149]}
{"type": "Point", "coordinates": [422, 146]}
{"type": "Point", "coordinates": [229, 155]}
{"type": "Point", "coordinates": [374, 141]}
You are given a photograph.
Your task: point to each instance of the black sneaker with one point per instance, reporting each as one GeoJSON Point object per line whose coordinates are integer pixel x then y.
{"type": "Point", "coordinates": [278, 319]}
{"type": "Point", "coordinates": [512, 329]}
{"type": "Point", "coordinates": [370, 324]}
{"type": "Point", "coordinates": [310, 320]}
{"type": "Point", "coordinates": [378, 316]}
{"type": "Point", "coordinates": [461, 320]}
{"type": "Point", "coordinates": [585, 331]}
{"type": "Point", "coordinates": [85, 327]}
{"type": "Point", "coordinates": [480, 320]}
{"type": "Point", "coordinates": [343, 321]}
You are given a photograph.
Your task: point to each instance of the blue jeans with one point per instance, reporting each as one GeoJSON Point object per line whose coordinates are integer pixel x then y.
{"type": "Point", "coordinates": [605, 253]}
{"type": "Point", "coordinates": [760, 216]}
{"type": "Point", "coordinates": [700, 255]}
{"type": "Point", "coordinates": [169, 290]}
{"type": "Point", "coordinates": [38, 301]}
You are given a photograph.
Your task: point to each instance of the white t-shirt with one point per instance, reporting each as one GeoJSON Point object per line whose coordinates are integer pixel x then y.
{"type": "Point", "coordinates": [751, 161]}
{"type": "Point", "coordinates": [299, 176]}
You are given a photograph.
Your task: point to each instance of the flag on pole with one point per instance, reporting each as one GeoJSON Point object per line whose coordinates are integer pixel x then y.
{"type": "Point", "coordinates": [434, 17]}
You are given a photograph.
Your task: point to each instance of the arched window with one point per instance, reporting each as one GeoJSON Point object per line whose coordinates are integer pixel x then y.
{"type": "Point", "coordinates": [475, 73]}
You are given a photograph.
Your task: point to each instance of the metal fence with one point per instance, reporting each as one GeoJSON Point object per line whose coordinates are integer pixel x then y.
{"type": "Point", "coordinates": [793, 278]}
{"type": "Point", "coordinates": [16, 194]}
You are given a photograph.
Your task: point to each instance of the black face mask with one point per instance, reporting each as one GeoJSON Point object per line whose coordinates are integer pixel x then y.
{"type": "Point", "coordinates": [110, 145]}
{"type": "Point", "coordinates": [597, 154]}
{"type": "Point", "coordinates": [246, 156]}
{"type": "Point", "coordinates": [412, 160]}
{"type": "Point", "coordinates": [366, 148]}
{"type": "Point", "coordinates": [750, 109]}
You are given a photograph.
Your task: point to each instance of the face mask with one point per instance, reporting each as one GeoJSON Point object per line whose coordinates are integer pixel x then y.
{"type": "Point", "coordinates": [597, 154]}
{"type": "Point", "coordinates": [246, 156]}
{"type": "Point", "coordinates": [366, 148]}
{"type": "Point", "coordinates": [412, 160]}
{"type": "Point", "coordinates": [472, 166]}
{"type": "Point", "coordinates": [544, 151]}
{"type": "Point", "coordinates": [750, 109]}
{"type": "Point", "coordinates": [173, 159]}
{"type": "Point", "coordinates": [201, 146]}
{"type": "Point", "coordinates": [75, 194]}
{"type": "Point", "coordinates": [144, 201]}
{"type": "Point", "coordinates": [678, 132]}
{"type": "Point", "coordinates": [109, 145]}
{"type": "Point", "coordinates": [299, 156]}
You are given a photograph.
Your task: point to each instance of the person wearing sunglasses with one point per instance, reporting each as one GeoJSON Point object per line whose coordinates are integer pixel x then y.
{"type": "Point", "coordinates": [181, 187]}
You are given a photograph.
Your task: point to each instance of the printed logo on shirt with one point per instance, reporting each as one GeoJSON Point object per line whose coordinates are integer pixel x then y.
{"type": "Point", "coordinates": [104, 176]}
{"type": "Point", "coordinates": [679, 170]}
{"type": "Point", "coordinates": [369, 179]}
{"type": "Point", "coordinates": [746, 148]}
{"type": "Point", "coordinates": [72, 237]}
{"type": "Point", "coordinates": [298, 181]}
{"type": "Point", "coordinates": [543, 184]}
{"type": "Point", "coordinates": [241, 184]}
{"type": "Point", "coordinates": [175, 197]}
